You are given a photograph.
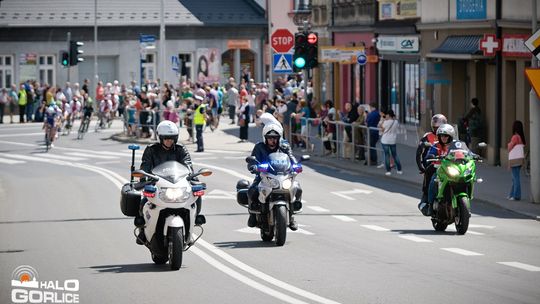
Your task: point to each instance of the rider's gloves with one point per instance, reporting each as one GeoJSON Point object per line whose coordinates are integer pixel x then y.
{"type": "Point", "coordinates": [253, 169]}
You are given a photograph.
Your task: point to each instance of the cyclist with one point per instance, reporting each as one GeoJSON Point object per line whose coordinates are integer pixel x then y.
{"type": "Point", "coordinates": [51, 121]}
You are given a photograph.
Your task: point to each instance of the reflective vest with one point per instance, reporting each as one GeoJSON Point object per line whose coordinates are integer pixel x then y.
{"type": "Point", "coordinates": [199, 118]}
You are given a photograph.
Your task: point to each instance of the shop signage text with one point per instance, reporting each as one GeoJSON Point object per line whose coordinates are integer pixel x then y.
{"type": "Point", "coordinates": [400, 44]}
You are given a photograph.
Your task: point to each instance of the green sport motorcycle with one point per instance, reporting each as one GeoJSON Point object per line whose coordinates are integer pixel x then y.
{"type": "Point", "coordinates": [455, 180]}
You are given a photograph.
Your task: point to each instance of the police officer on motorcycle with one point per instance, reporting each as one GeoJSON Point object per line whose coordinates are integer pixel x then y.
{"type": "Point", "coordinates": [272, 135]}
{"type": "Point", "coordinates": [421, 152]}
{"type": "Point", "coordinates": [166, 150]}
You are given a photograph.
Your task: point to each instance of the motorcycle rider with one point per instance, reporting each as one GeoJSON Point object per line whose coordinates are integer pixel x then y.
{"type": "Point", "coordinates": [155, 154]}
{"type": "Point", "coordinates": [421, 152]}
{"type": "Point", "coordinates": [272, 133]}
{"type": "Point", "coordinates": [445, 136]}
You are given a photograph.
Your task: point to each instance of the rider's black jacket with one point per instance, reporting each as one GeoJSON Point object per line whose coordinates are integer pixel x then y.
{"type": "Point", "coordinates": [155, 155]}
{"type": "Point", "coordinates": [261, 152]}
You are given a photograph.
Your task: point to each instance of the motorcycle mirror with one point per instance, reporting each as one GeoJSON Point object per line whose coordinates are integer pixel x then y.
{"type": "Point", "coordinates": [251, 159]}
{"type": "Point", "coordinates": [205, 172]}
{"type": "Point", "coordinates": [479, 180]}
{"type": "Point", "coordinates": [305, 157]}
{"type": "Point", "coordinates": [482, 145]}
{"type": "Point", "coordinates": [134, 147]}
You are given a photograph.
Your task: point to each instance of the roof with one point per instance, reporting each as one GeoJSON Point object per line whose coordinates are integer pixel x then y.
{"type": "Point", "coordinates": [80, 13]}
{"type": "Point", "coordinates": [469, 44]}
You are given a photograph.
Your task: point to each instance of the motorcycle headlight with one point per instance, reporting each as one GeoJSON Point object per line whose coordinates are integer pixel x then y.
{"type": "Point", "coordinates": [273, 183]}
{"type": "Point", "coordinates": [287, 184]}
{"type": "Point", "coordinates": [171, 195]}
{"type": "Point", "coordinates": [452, 171]}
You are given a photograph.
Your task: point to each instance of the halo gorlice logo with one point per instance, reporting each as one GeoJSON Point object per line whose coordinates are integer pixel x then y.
{"type": "Point", "coordinates": [27, 289]}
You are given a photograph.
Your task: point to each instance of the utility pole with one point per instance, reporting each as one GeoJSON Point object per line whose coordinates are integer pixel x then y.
{"type": "Point", "coordinates": [69, 65]}
{"type": "Point", "coordinates": [162, 44]}
{"type": "Point", "coordinates": [534, 119]}
{"type": "Point", "coordinates": [96, 76]}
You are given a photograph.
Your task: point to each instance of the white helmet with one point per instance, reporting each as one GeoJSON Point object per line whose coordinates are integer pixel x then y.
{"type": "Point", "coordinates": [167, 129]}
{"type": "Point", "coordinates": [446, 129]}
{"type": "Point", "coordinates": [437, 120]}
{"type": "Point", "coordinates": [272, 130]}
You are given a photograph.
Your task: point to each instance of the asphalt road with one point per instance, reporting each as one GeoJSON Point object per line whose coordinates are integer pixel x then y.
{"type": "Point", "coordinates": [361, 238]}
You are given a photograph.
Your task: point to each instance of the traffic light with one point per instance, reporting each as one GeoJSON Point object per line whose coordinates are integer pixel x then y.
{"type": "Point", "coordinates": [74, 52]}
{"type": "Point", "coordinates": [64, 58]}
{"type": "Point", "coordinates": [312, 50]}
{"type": "Point", "coordinates": [300, 51]}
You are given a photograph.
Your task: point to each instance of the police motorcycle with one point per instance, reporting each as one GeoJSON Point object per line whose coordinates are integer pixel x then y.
{"type": "Point", "coordinates": [278, 193]}
{"type": "Point", "coordinates": [170, 213]}
{"type": "Point", "coordinates": [455, 178]}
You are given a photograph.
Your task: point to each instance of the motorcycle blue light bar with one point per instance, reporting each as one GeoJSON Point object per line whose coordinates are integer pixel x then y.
{"type": "Point", "coordinates": [150, 188]}
{"type": "Point", "coordinates": [262, 167]}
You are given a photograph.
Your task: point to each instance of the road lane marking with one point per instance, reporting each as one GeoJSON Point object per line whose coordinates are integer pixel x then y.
{"type": "Point", "coordinates": [344, 195]}
{"type": "Point", "coordinates": [60, 157]}
{"type": "Point", "coordinates": [475, 233]}
{"type": "Point", "coordinates": [108, 162]}
{"type": "Point", "coordinates": [375, 227]}
{"type": "Point", "coordinates": [462, 251]}
{"type": "Point", "coordinates": [521, 266]}
{"type": "Point", "coordinates": [227, 152]}
{"type": "Point", "coordinates": [91, 155]}
{"type": "Point", "coordinates": [220, 194]}
{"type": "Point", "coordinates": [11, 161]}
{"type": "Point", "coordinates": [244, 279]}
{"type": "Point", "coordinates": [263, 276]}
{"type": "Point", "coordinates": [250, 230]}
{"type": "Point", "coordinates": [414, 238]}
{"type": "Point", "coordinates": [234, 157]}
{"type": "Point", "coordinates": [318, 209]}
{"type": "Point", "coordinates": [344, 218]}
{"type": "Point", "coordinates": [481, 226]}
{"type": "Point", "coordinates": [23, 134]}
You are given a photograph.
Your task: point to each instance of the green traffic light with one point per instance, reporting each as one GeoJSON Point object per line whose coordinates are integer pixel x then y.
{"type": "Point", "coordinates": [299, 62]}
{"type": "Point", "coordinates": [64, 62]}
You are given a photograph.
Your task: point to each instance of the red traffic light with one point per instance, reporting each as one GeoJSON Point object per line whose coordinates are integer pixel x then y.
{"type": "Point", "coordinates": [312, 38]}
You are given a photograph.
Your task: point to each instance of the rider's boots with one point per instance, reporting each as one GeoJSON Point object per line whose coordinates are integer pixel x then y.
{"type": "Point", "coordinates": [292, 224]}
{"type": "Point", "coordinates": [252, 221]}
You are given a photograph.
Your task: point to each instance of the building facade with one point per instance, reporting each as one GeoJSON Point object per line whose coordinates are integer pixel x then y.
{"type": "Point", "coordinates": [200, 44]}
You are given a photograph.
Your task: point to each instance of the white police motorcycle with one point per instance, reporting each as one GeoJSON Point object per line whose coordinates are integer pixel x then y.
{"type": "Point", "coordinates": [170, 213]}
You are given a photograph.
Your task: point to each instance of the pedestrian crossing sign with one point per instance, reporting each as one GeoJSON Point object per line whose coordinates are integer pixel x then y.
{"type": "Point", "coordinates": [282, 63]}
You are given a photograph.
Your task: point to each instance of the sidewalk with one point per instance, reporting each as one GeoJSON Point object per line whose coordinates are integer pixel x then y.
{"type": "Point", "coordinates": [494, 189]}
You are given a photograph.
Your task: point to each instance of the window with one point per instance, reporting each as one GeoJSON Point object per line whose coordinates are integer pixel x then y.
{"type": "Point", "coordinates": [302, 5]}
{"type": "Point", "coordinates": [6, 71]}
{"type": "Point", "coordinates": [149, 67]}
{"type": "Point", "coordinates": [47, 69]}
{"type": "Point", "coordinates": [412, 89]}
{"type": "Point", "coordinates": [185, 66]}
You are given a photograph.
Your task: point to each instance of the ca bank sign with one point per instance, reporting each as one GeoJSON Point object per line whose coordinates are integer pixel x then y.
{"type": "Point", "coordinates": [400, 44]}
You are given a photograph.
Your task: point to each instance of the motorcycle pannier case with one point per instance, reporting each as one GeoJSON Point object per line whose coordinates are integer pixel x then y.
{"type": "Point", "coordinates": [129, 200]}
{"type": "Point", "coordinates": [242, 192]}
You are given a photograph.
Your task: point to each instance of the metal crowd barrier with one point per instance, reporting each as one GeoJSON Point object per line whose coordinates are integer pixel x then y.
{"type": "Point", "coordinates": [315, 135]}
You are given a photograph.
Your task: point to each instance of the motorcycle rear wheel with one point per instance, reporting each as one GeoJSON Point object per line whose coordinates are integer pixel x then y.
{"type": "Point", "coordinates": [176, 247]}
{"type": "Point", "coordinates": [462, 217]}
{"type": "Point", "coordinates": [280, 214]}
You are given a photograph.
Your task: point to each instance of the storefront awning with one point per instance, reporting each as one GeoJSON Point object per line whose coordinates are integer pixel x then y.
{"type": "Point", "coordinates": [458, 47]}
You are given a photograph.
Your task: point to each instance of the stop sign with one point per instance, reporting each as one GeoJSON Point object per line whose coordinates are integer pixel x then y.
{"type": "Point", "coordinates": [282, 40]}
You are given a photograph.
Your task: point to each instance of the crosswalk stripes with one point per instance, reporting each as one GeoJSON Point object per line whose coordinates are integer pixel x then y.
{"type": "Point", "coordinates": [89, 155]}
{"type": "Point", "coordinates": [60, 157]}
{"type": "Point", "coordinates": [11, 161]}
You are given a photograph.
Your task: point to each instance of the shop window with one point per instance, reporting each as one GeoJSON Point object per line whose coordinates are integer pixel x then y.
{"type": "Point", "coordinates": [47, 69]}
{"type": "Point", "coordinates": [185, 66]}
{"type": "Point", "coordinates": [412, 90]}
{"type": "Point", "coordinates": [6, 71]}
{"type": "Point", "coordinates": [149, 67]}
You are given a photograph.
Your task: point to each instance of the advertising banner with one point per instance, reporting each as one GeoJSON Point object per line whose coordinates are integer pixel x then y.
{"type": "Point", "coordinates": [208, 65]}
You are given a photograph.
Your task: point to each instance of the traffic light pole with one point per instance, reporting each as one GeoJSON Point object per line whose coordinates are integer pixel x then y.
{"type": "Point", "coordinates": [68, 47]}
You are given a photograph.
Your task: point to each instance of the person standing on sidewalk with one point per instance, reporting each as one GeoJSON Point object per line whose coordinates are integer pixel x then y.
{"type": "Point", "coordinates": [4, 100]}
{"type": "Point", "coordinates": [243, 119]}
{"type": "Point", "coordinates": [475, 123]}
{"type": "Point", "coordinates": [23, 100]}
{"type": "Point", "coordinates": [232, 101]}
{"type": "Point", "coordinates": [199, 120]}
{"type": "Point", "coordinates": [389, 129]}
{"type": "Point", "coordinates": [516, 157]}
{"type": "Point", "coordinates": [372, 121]}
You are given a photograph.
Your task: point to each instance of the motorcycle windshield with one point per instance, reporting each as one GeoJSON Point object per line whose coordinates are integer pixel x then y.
{"type": "Point", "coordinates": [458, 151]}
{"type": "Point", "coordinates": [171, 171]}
{"type": "Point", "coordinates": [279, 163]}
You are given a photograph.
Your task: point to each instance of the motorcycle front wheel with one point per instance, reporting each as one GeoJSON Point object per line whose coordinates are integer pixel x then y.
{"type": "Point", "coordinates": [280, 214]}
{"type": "Point", "coordinates": [176, 247]}
{"type": "Point", "coordinates": [462, 215]}
{"type": "Point", "coordinates": [438, 225]}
